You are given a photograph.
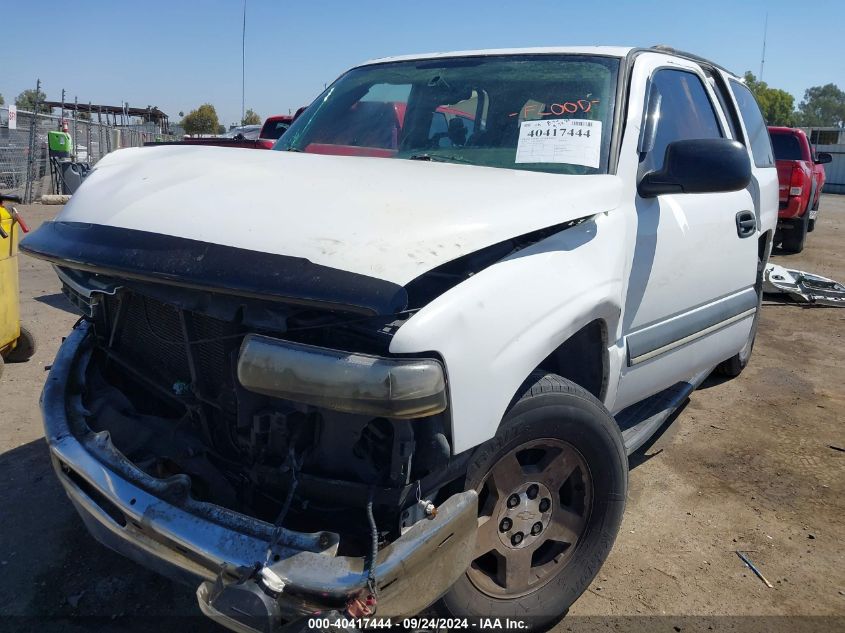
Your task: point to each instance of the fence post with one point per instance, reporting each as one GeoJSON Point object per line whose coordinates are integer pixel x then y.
{"type": "Point", "coordinates": [27, 195]}
{"type": "Point", "coordinates": [88, 128]}
{"type": "Point", "coordinates": [75, 130]}
{"type": "Point", "coordinates": [30, 160]}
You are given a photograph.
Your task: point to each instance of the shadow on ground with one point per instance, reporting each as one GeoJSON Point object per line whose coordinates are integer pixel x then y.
{"type": "Point", "coordinates": [55, 577]}
{"type": "Point", "coordinates": [59, 301]}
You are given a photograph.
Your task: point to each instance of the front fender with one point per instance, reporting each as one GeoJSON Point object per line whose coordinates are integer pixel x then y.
{"type": "Point", "coordinates": [495, 328]}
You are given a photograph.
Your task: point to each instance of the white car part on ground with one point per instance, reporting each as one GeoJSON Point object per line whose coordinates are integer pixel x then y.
{"type": "Point", "coordinates": [803, 287]}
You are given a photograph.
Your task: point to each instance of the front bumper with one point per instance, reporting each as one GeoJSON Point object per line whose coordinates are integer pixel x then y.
{"type": "Point", "coordinates": [156, 523]}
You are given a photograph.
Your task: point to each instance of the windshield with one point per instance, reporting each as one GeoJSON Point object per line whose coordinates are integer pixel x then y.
{"type": "Point", "coordinates": [549, 113]}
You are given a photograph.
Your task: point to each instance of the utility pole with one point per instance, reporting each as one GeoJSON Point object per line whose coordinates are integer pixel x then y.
{"type": "Point", "coordinates": [763, 57]}
{"type": "Point", "coordinates": [243, 67]}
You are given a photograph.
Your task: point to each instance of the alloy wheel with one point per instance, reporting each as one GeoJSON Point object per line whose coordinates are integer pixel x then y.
{"type": "Point", "coordinates": [534, 505]}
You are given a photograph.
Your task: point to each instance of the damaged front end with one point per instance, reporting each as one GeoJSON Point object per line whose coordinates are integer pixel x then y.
{"type": "Point", "coordinates": [273, 451]}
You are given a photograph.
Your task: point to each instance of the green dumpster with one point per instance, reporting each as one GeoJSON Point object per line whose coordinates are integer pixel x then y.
{"type": "Point", "coordinates": [60, 144]}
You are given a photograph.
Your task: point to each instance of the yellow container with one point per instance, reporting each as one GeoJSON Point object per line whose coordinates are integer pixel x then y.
{"type": "Point", "coordinates": [10, 316]}
{"type": "Point", "coordinates": [16, 342]}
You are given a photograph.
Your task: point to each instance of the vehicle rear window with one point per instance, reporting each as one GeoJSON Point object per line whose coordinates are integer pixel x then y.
{"type": "Point", "coordinates": [755, 126]}
{"type": "Point", "coordinates": [786, 147]}
{"type": "Point", "coordinates": [274, 129]}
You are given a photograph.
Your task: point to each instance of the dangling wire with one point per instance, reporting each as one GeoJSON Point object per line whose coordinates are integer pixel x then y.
{"type": "Point", "coordinates": [371, 566]}
{"type": "Point", "coordinates": [295, 464]}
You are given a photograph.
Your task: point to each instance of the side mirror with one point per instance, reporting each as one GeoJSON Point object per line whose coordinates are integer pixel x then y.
{"type": "Point", "coordinates": [699, 166]}
{"type": "Point", "coordinates": [823, 158]}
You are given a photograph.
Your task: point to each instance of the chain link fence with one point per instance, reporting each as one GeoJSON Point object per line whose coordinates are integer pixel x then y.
{"type": "Point", "coordinates": [25, 159]}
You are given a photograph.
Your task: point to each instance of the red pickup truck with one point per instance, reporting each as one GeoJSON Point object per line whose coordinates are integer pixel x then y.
{"type": "Point", "coordinates": [272, 129]}
{"type": "Point", "coordinates": [248, 136]}
{"type": "Point", "coordinates": [800, 178]}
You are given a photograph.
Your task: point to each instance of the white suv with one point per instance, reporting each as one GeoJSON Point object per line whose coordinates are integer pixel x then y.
{"type": "Point", "coordinates": [403, 359]}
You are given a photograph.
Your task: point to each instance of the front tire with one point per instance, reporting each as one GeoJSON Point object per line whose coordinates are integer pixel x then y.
{"type": "Point", "coordinates": [552, 485]}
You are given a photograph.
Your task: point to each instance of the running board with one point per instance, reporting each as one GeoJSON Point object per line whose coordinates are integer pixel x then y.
{"type": "Point", "coordinates": [642, 420]}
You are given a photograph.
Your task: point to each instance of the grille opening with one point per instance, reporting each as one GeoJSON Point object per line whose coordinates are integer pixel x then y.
{"type": "Point", "coordinates": [92, 493]}
{"type": "Point", "coordinates": [151, 339]}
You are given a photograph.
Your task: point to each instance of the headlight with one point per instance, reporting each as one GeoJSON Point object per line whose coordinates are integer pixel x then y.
{"type": "Point", "coordinates": [354, 383]}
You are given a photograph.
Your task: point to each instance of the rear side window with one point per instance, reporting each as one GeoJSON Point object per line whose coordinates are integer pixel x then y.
{"type": "Point", "coordinates": [723, 96]}
{"type": "Point", "coordinates": [758, 135]}
{"type": "Point", "coordinates": [786, 147]}
{"type": "Point", "coordinates": [678, 109]}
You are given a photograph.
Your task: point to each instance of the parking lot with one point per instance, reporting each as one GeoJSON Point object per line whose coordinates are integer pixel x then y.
{"type": "Point", "coordinates": [754, 464]}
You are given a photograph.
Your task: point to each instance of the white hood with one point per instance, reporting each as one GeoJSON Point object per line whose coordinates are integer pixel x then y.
{"type": "Point", "coordinates": [389, 219]}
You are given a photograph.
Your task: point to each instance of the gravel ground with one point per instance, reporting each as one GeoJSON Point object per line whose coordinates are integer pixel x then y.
{"type": "Point", "coordinates": [748, 465]}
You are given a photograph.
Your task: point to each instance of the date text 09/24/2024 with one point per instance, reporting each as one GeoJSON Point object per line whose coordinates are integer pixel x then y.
{"type": "Point", "coordinates": [419, 623]}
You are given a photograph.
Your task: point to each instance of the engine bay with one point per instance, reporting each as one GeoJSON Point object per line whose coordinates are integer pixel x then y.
{"type": "Point", "coordinates": [162, 382]}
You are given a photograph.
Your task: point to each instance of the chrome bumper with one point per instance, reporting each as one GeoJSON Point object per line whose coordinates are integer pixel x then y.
{"type": "Point", "coordinates": [156, 523]}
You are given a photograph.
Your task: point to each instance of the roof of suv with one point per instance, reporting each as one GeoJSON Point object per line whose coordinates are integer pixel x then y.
{"type": "Point", "coordinates": [608, 51]}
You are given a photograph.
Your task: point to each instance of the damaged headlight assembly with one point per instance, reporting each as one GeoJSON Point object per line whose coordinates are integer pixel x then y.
{"type": "Point", "coordinates": [342, 381]}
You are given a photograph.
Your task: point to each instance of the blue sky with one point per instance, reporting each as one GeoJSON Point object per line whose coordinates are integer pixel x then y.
{"type": "Point", "coordinates": [179, 54]}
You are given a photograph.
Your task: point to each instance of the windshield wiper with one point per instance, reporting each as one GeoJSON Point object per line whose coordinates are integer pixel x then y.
{"type": "Point", "coordinates": [437, 158]}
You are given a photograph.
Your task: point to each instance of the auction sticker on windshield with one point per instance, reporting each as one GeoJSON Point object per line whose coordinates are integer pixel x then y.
{"type": "Point", "coordinates": [572, 141]}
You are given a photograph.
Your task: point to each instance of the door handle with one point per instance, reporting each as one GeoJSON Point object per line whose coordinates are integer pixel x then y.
{"type": "Point", "coordinates": [746, 224]}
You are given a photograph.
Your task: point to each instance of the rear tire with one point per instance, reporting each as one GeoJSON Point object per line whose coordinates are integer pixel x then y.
{"type": "Point", "coordinates": [735, 364]}
{"type": "Point", "coordinates": [793, 240]}
{"type": "Point", "coordinates": [24, 349]}
{"type": "Point", "coordinates": [558, 443]}
{"type": "Point", "coordinates": [811, 226]}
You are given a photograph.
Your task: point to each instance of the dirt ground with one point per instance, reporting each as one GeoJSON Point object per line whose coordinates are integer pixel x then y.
{"type": "Point", "coordinates": [748, 465]}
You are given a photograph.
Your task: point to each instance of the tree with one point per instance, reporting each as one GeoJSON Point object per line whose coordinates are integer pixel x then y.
{"type": "Point", "coordinates": [778, 108]}
{"type": "Point", "coordinates": [203, 120]}
{"type": "Point", "coordinates": [30, 99]}
{"type": "Point", "coordinates": [2, 100]}
{"type": "Point", "coordinates": [221, 129]}
{"type": "Point", "coordinates": [251, 118]}
{"type": "Point", "coordinates": [822, 106]}
{"type": "Point", "coordinates": [776, 105]}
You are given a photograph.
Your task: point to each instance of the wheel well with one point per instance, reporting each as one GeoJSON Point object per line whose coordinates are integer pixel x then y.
{"type": "Point", "coordinates": [582, 358]}
{"type": "Point", "coordinates": [764, 247]}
